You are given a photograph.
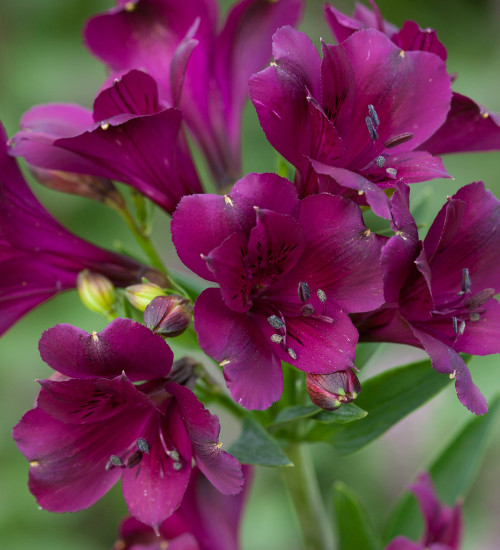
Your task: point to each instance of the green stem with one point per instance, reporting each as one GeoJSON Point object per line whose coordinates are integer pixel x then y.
{"type": "Point", "coordinates": [303, 490]}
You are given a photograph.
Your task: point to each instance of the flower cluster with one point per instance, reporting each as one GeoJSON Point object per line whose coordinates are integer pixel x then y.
{"type": "Point", "coordinates": [295, 275]}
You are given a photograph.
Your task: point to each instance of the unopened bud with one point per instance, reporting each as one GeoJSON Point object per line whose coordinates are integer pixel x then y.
{"type": "Point", "coordinates": [168, 315]}
{"type": "Point", "coordinates": [329, 391]}
{"type": "Point", "coordinates": [96, 291]}
{"type": "Point", "coordinates": [140, 295]}
{"type": "Point", "coordinates": [91, 187]}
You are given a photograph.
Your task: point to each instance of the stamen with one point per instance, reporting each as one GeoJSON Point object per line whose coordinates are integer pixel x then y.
{"type": "Point", "coordinates": [104, 125]}
{"type": "Point", "coordinates": [94, 336]}
{"type": "Point", "coordinates": [321, 295]}
{"type": "Point", "coordinates": [461, 328]}
{"type": "Point", "coordinates": [371, 128]}
{"type": "Point", "coordinates": [391, 172]}
{"type": "Point", "coordinates": [291, 353]}
{"type": "Point", "coordinates": [276, 338]}
{"type": "Point", "coordinates": [142, 445]}
{"type": "Point", "coordinates": [466, 282]}
{"type": "Point", "coordinates": [133, 459]}
{"type": "Point", "coordinates": [275, 322]}
{"type": "Point", "coordinates": [398, 140]}
{"type": "Point", "coordinates": [474, 317]}
{"type": "Point", "coordinates": [373, 114]}
{"type": "Point", "coordinates": [454, 320]}
{"type": "Point", "coordinates": [114, 461]}
{"type": "Point", "coordinates": [228, 200]}
{"type": "Point", "coordinates": [177, 466]}
{"type": "Point", "coordinates": [307, 310]}
{"type": "Point", "coordinates": [304, 292]}
{"type": "Point", "coordinates": [174, 455]}
{"type": "Point", "coordinates": [380, 161]}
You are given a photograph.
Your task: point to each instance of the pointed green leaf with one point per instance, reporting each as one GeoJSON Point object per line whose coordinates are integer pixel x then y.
{"type": "Point", "coordinates": [387, 398]}
{"type": "Point", "coordinates": [453, 472]}
{"type": "Point", "coordinates": [256, 446]}
{"type": "Point", "coordinates": [343, 415]}
{"type": "Point", "coordinates": [354, 529]}
{"type": "Point", "coordinates": [291, 414]}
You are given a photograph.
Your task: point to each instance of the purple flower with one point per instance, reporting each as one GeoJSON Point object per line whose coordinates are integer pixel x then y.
{"type": "Point", "coordinates": [206, 520]}
{"type": "Point", "coordinates": [129, 123]}
{"type": "Point", "coordinates": [443, 525]}
{"type": "Point", "coordinates": [439, 292]}
{"type": "Point", "coordinates": [92, 425]}
{"type": "Point", "coordinates": [289, 272]}
{"type": "Point", "coordinates": [39, 257]}
{"type": "Point", "coordinates": [163, 36]}
{"type": "Point", "coordinates": [351, 122]}
{"type": "Point", "coordinates": [468, 126]}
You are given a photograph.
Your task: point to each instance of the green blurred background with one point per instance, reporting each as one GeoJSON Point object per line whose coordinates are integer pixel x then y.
{"type": "Point", "coordinates": [42, 59]}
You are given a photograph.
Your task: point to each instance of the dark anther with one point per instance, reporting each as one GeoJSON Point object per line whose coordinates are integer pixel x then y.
{"type": "Point", "coordinates": [275, 322]}
{"type": "Point", "coordinates": [380, 161]}
{"type": "Point", "coordinates": [466, 284]}
{"type": "Point", "coordinates": [307, 310]}
{"type": "Point", "coordinates": [398, 140]}
{"type": "Point", "coordinates": [373, 114]}
{"type": "Point", "coordinates": [142, 445]}
{"type": "Point", "coordinates": [455, 324]}
{"type": "Point", "coordinates": [304, 292]}
{"type": "Point", "coordinates": [133, 459]}
{"type": "Point", "coordinates": [371, 129]}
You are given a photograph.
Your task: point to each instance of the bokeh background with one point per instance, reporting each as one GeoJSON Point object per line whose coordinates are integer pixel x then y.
{"type": "Point", "coordinates": [42, 59]}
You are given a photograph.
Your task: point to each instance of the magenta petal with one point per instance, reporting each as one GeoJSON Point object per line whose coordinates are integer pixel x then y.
{"type": "Point", "coordinates": [412, 37]}
{"type": "Point", "coordinates": [252, 371]}
{"type": "Point", "coordinates": [221, 469]}
{"type": "Point", "coordinates": [337, 249]}
{"type": "Point", "coordinates": [340, 177]}
{"type": "Point", "coordinates": [446, 360]}
{"type": "Point", "coordinates": [468, 127]}
{"type": "Point", "coordinates": [413, 167]}
{"type": "Point", "coordinates": [402, 543]}
{"type": "Point", "coordinates": [123, 346]}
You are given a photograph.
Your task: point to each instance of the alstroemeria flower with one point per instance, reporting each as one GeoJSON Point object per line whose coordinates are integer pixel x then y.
{"type": "Point", "coordinates": [130, 136]}
{"type": "Point", "coordinates": [289, 273]}
{"type": "Point", "coordinates": [443, 524]}
{"type": "Point", "coordinates": [352, 121]}
{"type": "Point", "coordinates": [39, 257]}
{"type": "Point", "coordinates": [468, 126]}
{"type": "Point", "coordinates": [439, 292]}
{"type": "Point", "coordinates": [160, 36]}
{"type": "Point", "coordinates": [206, 520]}
{"type": "Point", "coordinates": [92, 425]}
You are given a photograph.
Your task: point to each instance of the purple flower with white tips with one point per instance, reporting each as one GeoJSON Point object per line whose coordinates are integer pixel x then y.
{"type": "Point", "coordinates": [468, 125]}
{"type": "Point", "coordinates": [182, 42]}
{"type": "Point", "coordinates": [351, 122]}
{"type": "Point", "coordinates": [129, 123]}
{"type": "Point", "coordinates": [112, 411]}
{"type": "Point", "coordinates": [39, 257]}
{"type": "Point", "coordinates": [289, 273]}
{"type": "Point", "coordinates": [440, 292]}
{"type": "Point", "coordinates": [443, 524]}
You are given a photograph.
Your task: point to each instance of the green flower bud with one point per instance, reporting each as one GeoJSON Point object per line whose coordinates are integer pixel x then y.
{"type": "Point", "coordinates": [96, 291]}
{"type": "Point", "coordinates": [140, 295]}
{"type": "Point", "coordinates": [329, 391]}
{"type": "Point", "coordinates": [168, 315]}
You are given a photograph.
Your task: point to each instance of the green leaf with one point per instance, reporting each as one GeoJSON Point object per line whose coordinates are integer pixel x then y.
{"type": "Point", "coordinates": [452, 472]}
{"type": "Point", "coordinates": [291, 414]}
{"type": "Point", "coordinates": [354, 528]}
{"type": "Point", "coordinates": [256, 446]}
{"type": "Point", "coordinates": [387, 398]}
{"type": "Point", "coordinates": [343, 415]}
{"type": "Point", "coordinates": [365, 351]}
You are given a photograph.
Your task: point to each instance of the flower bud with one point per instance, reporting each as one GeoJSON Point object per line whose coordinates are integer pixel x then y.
{"type": "Point", "coordinates": [329, 391]}
{"type": "Point", "coordinates": [168, 315]}
{"type": "Point", "coordinates": [140, 295]}
{"type": "Point", "coordinates": [96, 291]}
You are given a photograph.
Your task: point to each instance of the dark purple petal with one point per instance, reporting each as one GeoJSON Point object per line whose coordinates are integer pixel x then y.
{"type": "Point", "coordinates": [446, 360]}
{"type": "Point", "coordinates": [123, 346]}
{"type": "Point", "coordinates": [221, 469]}
{"type": "Point", "coordinates": [412, 37]}
{"type": "Point", "coordinates": [252, 371]}
{"type": "Point", "coordinates": [468, 127]}
{"type": "Point", "coordinates": [202, 222]}
{"type": "Point", "coordinates": [335, 179]}
{"type": "Point", "coordinates": [338, 249]}
{"type": "Point", "coordinates": [412, 167]}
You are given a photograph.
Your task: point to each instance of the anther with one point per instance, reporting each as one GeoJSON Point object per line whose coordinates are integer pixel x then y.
{"type": "Point", "coordinates": [398, 140]}
{"type": "Point", "coordinates": [104, 125]}
{"type": "Point", "coordinates": [276, 338]}
{"type": "Point", "coordinates": [133, 459]}
{"type": "Point", "coordinates": [380, 161]}
{"type": "Point", "coordinates": [94, 336]}
{"type": "Point", "coordinates": [228, 200]}
{"type": "Point", "coordinates": [129, 6]}
{"type": "Point", "coordinates": [304, 292]}
{"type": "Point", "coordinates": [224, 363]}
{"type": "Point", "coordinates": [454, 320]}
{"type": "Point", "coordinates": [373, 115]}
{"type": "Point", "coordinates": [307, 310]}
{"type": "Point", "coordinates": [371, 128]}
{"type": "Point", "coordinates": [176, 466]}
{"type": "Point", "coordinates": [461, 328]}
{"type": "Point", "coordinates": [474, 317]}
{"type": "Point", "coordinates": [321, 295]}
{"type": "Point", "coordinates": [114, 461]}
{"type": "Point", "coordinates": [142, 445]}
{"type": "Point", "coordinates": [275, 322]}
{"type": "Point", "coordinates": [466, 282]}
{"type": "Point", "coordinates": [391, 172]}
{"type": "Point", "coordinates": [174, 455]}
{"type": "Point", "coordinates": [292, 354]}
